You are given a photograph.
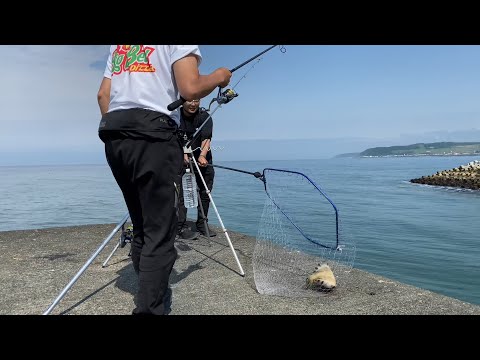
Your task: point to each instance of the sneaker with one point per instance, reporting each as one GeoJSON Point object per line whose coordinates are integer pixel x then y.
{"type": "Point", "coordinates": [202, 230]}
{"type": "Point", "coordinates": [187, 234]}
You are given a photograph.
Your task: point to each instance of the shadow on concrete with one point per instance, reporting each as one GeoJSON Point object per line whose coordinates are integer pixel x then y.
{"type": "Point", "coordinates": [127, 280]}
{"type": "Point", "coordinates": [86, 298]}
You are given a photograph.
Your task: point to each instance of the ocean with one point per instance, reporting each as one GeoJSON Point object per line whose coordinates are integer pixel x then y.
{"type": "Point", "coordinates": [420, 235]}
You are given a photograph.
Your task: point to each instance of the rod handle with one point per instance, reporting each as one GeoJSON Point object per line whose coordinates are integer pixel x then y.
{"type": "Point", "coordinates": [174, 105]}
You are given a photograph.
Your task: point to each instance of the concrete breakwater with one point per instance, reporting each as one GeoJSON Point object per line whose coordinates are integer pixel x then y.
{"type": "Point", "coordinates": [38, 264]}
{"type": "Point", "coordinates": [465, 176]}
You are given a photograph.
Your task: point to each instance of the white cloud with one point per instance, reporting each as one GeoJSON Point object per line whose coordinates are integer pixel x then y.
{"type": "Point", "coordinates": [48, 96]}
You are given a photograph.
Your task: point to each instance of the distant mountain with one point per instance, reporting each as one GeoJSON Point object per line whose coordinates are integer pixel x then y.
{"type": "Point", "coordinates": [290, 149]}
{"type": "Point", "coordinates": [428, 149]}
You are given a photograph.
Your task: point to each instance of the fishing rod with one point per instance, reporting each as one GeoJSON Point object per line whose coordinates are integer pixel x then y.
{"type": "Point", "coordinates": [226, 96]}
{"type": "Point", "coordinates": [256, 173]}
{"type": "Point", "coordinates": [174, 105]}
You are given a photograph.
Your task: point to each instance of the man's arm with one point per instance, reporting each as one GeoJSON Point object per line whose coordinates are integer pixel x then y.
{"type": "Point", "coordinates": [191, 84]}
{"type": "Point", "coordinates": [206, 136]}
{"type": "Point", "coordinates": [202, 158]}
{"type": "Point", "coordinates": [103, 96]}
{"type": "Point", "coordinates": [205, 147]}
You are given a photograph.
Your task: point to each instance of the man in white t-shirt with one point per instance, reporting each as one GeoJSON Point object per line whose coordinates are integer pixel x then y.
{"type": "Point", "coordinates": [144, 153]}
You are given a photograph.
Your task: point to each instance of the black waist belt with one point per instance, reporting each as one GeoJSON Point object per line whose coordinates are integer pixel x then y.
{"type": "Point", "coordinates": [137, 123]}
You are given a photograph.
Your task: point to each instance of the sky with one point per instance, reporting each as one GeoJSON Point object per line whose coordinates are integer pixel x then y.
{"type": "Point", "coordinates": [313, 101]}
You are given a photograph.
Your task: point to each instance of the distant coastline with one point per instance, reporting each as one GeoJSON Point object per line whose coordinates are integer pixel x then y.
{"type": "Point", "coordinates": [465, 176]}
{"type": "Point", "coordinates": [420, 149]}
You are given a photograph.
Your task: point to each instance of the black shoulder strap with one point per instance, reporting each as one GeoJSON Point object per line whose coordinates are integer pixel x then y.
{"type": "Point", "coordinates": [182, 121]}
{"type": "Point", "coordinates": [201, 116]}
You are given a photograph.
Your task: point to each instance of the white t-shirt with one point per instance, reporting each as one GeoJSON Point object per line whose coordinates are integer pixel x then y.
{"type": "Point", "coordinates": [142, 77]}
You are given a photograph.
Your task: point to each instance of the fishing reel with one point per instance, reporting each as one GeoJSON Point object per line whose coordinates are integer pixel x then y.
{"type": "Point", "coordinates": [126, 236]}
{"type": "Point", "coordinates": [226, 96]}
{"type": "Point", "coordinates": [223, 97]}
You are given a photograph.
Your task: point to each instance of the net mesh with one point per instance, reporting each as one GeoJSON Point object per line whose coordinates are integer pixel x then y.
{"type": "Point", "coordinates": [299, 229]}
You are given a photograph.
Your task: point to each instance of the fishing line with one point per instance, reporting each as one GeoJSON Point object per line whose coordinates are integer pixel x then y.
{"type": "Point", "coordinates": [222, 97]}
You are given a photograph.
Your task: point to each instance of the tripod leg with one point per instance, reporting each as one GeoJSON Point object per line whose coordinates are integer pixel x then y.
{"type": "Point", "coordinates": [115, 248]}
{"type": "Point", "coordinates": [87, 264]}
{"type": "Point", "coordinates": [219, 219]}
{"type": "Point", "coordinates": [111, 254]}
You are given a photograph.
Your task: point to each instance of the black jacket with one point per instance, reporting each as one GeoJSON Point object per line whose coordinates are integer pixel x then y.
{"type": "Point", "coordinates": [190, 124]}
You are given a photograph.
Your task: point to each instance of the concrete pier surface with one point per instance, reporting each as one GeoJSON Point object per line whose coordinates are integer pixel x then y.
{"type": "Point", "coordinates": [38, 264]}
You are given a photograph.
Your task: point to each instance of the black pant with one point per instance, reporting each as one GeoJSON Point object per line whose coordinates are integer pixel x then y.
{"type": "Point", "coordinates": [208, 174]}
{"type": "Point", "coordinates": [148, 173]}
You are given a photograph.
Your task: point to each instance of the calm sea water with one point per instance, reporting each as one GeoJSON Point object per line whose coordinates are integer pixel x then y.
{"type": "Point", "coordinates": [420, 235]}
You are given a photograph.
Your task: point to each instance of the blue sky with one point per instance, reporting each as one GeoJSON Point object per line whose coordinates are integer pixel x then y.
{"type": "Point", "coordinates": [340, 95]}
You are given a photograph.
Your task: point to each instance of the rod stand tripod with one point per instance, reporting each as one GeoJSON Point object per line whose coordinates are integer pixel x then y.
{"type": "Point", "coordinates": [87, 264]}
{"type": "Point", "coordinates": [126, 237]}
{"type": "Point", "coordinates": [189, 152]}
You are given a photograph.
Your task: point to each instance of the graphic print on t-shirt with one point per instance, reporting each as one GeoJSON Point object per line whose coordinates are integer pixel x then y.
{"type": "Point", "coordinates": [132, 58]}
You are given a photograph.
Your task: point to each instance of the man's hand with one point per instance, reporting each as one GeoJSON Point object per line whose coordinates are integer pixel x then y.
{"type": "Point", "coordinates": [185, 159]}
{"type": "Point", "coordinates": [202, 161]}
{"type": "Point", "coordinates": [224, 76]}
